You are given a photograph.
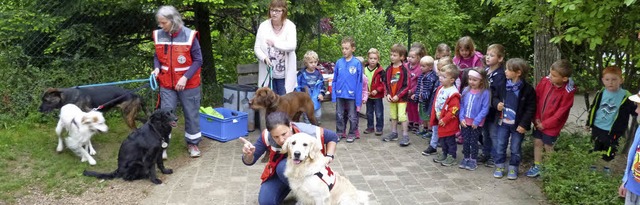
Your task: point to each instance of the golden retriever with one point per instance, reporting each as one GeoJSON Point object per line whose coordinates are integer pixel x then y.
{"type": "Point", "coordinates": [80, 127]}
{"type": "Point", "coordinates": [310, 178]}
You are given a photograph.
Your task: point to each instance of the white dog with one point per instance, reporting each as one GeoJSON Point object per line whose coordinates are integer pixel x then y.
{"type": "Point", "coordinates": [310, 178]}
{"type": "Point", "coordinates": [80, 126]}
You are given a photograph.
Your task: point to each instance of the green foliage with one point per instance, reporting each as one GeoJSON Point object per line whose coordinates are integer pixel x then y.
{"type": "Point", "coordinates": [29, 161]}
{"type": "Point", "coordinates": [370, 30]}
{"type": "Point", "coordinates": [568, 180]}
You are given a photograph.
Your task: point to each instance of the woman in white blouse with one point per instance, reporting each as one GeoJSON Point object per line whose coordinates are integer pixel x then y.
{"type": "Point", "coordinates": [275, 48]}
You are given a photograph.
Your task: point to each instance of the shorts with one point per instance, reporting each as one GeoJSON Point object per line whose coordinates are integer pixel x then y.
{"type": "Point", "coordinates": [546, 139]}
{"type": "Point", "coordinates": [398, 111]}
{"type": "Point", "coordinates": [424, 114]}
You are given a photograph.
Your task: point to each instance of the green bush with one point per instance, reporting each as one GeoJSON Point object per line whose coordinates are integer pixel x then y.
{"type": "Point", "coordinates": [567, 179]}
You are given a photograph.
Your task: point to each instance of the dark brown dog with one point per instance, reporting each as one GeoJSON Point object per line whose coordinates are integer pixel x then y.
{"type": "Point", "coordinates": [92, 97]}
{"type": "Point", "coordinates": [293, 103]}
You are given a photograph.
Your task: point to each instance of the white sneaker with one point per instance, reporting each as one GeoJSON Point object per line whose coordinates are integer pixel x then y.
{"type": "Point", "coordinates": [193, 150]}
{"type": "Point", "coordinates": [164, 154]}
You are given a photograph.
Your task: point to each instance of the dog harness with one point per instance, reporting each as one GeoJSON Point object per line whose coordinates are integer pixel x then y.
{"type": "Point", "coordinates": [275, 156]}
{"type": "Point", "coordinates": [327, 176]}
{"type": "Point", "coordinates": [174, 54]}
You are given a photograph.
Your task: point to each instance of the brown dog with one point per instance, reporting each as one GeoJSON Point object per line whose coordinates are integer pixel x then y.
{"type": "Point", "coordinates": [293, 103]}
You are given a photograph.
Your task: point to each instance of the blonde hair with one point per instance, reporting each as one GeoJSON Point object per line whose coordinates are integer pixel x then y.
{"type": "Point", "coordinates": [373, 51]}
{"type": "Point", "coordinates": [444, 61]}
{"type": "Point", "coordinates": [451, 70]}
{"type": "Point", "coordinates": [466, 43]}
{"type": "Point", "coordinates": [426, 60]}
{"type": "Point", "coordinates": [419, 49]}
{"type": "Point", "coordinates": [309, 56]}
{"type": "Point", "coordinates": [498, 48]}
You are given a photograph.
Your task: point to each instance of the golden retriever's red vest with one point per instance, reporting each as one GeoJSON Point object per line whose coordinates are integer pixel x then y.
{"type": "Point", "coordinates": [275, 157]}
{"type": "Point", "coordinates": [174, 53]}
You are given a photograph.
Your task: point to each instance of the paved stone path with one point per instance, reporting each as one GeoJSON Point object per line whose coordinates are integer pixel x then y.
{"type": "Point", "coordinates": [393, 174]}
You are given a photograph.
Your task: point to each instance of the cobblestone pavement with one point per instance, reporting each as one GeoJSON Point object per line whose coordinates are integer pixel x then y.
{"type": "Point", "coordinates": [393, 174]}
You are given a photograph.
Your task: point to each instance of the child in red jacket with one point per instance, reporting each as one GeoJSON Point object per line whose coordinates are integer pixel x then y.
{"type": "Point", "coordinates": [554, 99]}
{"type": "Point", "coordinates": [444, 113]}
{"type": "Point", "coordinates": [376, 75]}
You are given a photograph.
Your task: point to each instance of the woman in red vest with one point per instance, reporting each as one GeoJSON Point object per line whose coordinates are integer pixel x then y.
{"type": "Point", "coordinates": [275, 185]}
{"type": "Point", "coordinates": [177, 62]}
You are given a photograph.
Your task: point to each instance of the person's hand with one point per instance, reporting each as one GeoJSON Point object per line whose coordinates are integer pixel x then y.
{"type": "Point", "coordinates": [500, 106]}
{"type": "Point", "coordinates": [388, 97]}
{"type": "Point", "coordinates": [181, 83]}
{"type": "Point", "coordinates": [328, 159]}
{"type": "Point", "coordinates": [373, 93]}
{"type": "Point", "coordinates": [395, 98]}
{"type": "Point", "coordinates": [463, 124]}
{"type": "Point", "coordinates": [155, 71]}
{"type": "Point", "coordinates": [320, 97]}
{"type": "Point", "coordinates": [247, 148]}
{"type": "Point", "coordinates": [521, 129]}
{"type": "Point", "coordinates": [622, 192]}
{"type": "Point", "coordinates": [270, 42]}
{"type": "Point", "coordinates": [441, 123]}
{"type": "Point", "coordinates": [413, 97]}
{"type": "Point", "coordinates": [268, 62]}
{"type": "Point", "coordinates": [474, 126]}
{"type": "Point", "coordinates": [538, 125]}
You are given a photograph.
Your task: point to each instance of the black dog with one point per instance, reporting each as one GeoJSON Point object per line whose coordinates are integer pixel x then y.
{"type": "Point", "coordinates": [92, 97]}
{"type": "Point", "coordinates": [142, 150]}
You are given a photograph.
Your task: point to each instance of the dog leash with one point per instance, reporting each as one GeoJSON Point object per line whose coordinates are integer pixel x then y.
{"type": "Point", "coordinates": [153, 83]}
{"type": "Point", "coordinates": [121, 96]}
{"type": "Point", "coordinates": [268, 76]}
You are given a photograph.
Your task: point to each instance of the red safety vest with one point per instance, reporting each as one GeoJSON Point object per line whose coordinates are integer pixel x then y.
{"type": "Point", "coordinates": [174, 55]}
{"type": "Point", "coordinates": [274, 155]}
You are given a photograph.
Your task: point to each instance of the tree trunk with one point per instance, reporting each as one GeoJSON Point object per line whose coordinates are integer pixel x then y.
{"type": "Point", "coordinates": [544, 52]}
{"type": "Point", "coordinates": [203, 27]}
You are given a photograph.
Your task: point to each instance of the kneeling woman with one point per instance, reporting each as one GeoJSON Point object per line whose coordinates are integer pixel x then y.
{"type": "Point", "coordinates": [275, 186]}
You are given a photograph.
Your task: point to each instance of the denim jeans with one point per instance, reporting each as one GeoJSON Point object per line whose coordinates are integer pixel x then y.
{"type": "Point", "coordinates": [341, 124]}
{"type": "Point", "coordinates": [276, 188]}
{"type": "Point", "coordinates": [489, 136]}
{"type": "Point", "coordinates": [374, 107]}
{"type": "Point", "coordinates": [504, 133]}
{"type": "Point", "coordinates": [278, 87]}
{"type": "Point", "coordinates": [434, 137]}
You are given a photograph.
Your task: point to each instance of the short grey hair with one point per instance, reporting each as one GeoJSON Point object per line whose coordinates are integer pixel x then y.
{"type": "Point", "coordinates": [171, 14]}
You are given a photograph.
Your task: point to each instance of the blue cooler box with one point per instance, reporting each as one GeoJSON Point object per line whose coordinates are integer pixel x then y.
{"type": "Point", "coordinates": [233, 125]}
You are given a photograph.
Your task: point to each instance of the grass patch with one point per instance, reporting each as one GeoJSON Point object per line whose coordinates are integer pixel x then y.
{"type": "Point", "coordinates": [28, 158]}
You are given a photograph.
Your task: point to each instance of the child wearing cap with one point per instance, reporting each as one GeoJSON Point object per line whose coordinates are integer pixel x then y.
{"type": "Point", "coordinates": [630, 187]}
{"type": "Point", "coordinates": [609, 115]}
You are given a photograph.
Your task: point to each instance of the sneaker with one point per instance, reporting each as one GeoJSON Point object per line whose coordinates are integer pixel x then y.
{"type": "Point", "coordinates": [357, 134]}
{"type": "Point", "coordinates": [439, 158]}
{"type": "Point", "coordinates": [449, 161]}
{"type": "Point", "coordinates": [498, 173]}
{"type": "Point", "coordinates": [350, 139]}
{"type": "Point", "coordinates": [194, 152]}
{"type": "Point", "coordinates": [420, 133]}
{"type": "Point", "coordinates": [472, 165]}
{"type": "Point", "coordinates": [512, 174]}
{"type": "Point", "coordinates": [379, 133]}
{"type": "Point", "coordinates": [391, 137]}
{"type": "Point", "coordinates": [534, 171]}
{"type": "Point", "coordinates": [593, 168]}
{"type": "Point", "coordinates": [482, 158]}
{"type": "Point", "coordinates": [429, 151]}
{"type": "Point", "coordinates": [490, 163]}
{"type": "Point", "coordinates": [607, 171]}
{"type": "Point", "coordinates": [164, 154]}
{"type": "Point", "coordinates": [405, 141]}
{"type": "Point", "coordinates": [427, 135]}
{"type": "Point", "coordinates": [463, 163]}
{"type": "Point", "coordinates": [368, 131]}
